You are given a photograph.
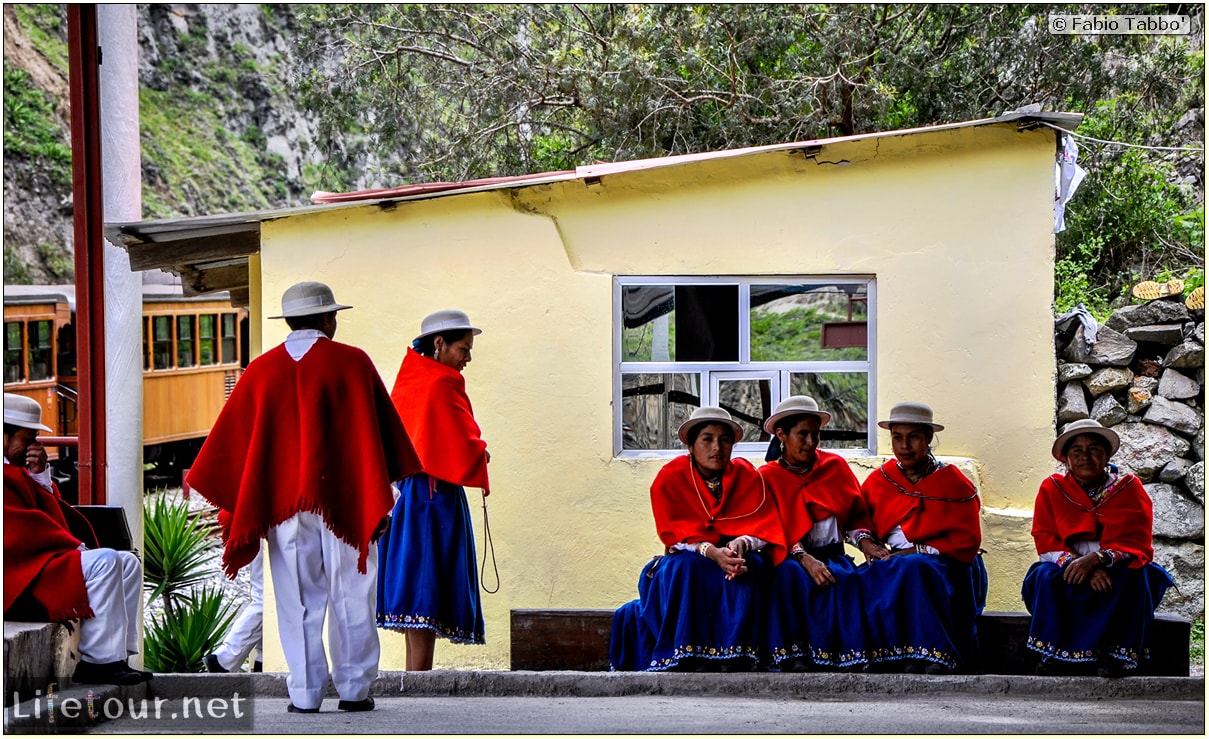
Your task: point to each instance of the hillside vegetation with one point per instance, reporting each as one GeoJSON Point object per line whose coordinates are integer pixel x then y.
{"type": "Point", "coordinates": [247, 107]}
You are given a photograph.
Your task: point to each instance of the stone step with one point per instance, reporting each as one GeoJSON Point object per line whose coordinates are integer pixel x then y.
{"type": "Point", "coordinates": [578, 639]}
{"type": "Point", "coordinates": [35, 656]}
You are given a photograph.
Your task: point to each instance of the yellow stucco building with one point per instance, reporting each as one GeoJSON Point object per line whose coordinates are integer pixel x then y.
{"type": "Point", "coordinates": [588, 286]}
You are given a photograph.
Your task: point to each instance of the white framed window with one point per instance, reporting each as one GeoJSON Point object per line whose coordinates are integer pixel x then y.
{"type": "Point", "coordinates": [745, 344]}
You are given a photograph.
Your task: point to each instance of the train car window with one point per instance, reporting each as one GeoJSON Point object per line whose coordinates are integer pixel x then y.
{"type": "Point", "coordinates": [162, 332]}
{"type": "Point", "coordinates": [206, 341]}
{"type": "Point", "coordinates": [146, 343]}
{"type": "Point", "coordinates": [41, 351]}
{"type": "Point", "coordinates": [229, 353]}
{"type": "Point", "coordinates": [184, 341]}
{"type": "Point", "coordinates": [14, 367]}
{"type": "Point", "coordinates": [65, 365]}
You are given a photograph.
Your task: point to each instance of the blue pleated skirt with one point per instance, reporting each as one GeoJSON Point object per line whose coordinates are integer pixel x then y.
{"type": "Point", "coordinates": [426, 564]}
{"type": "Point", "coordinates": [1073, 623]}
{"type": "Point", "coordinates": [922, 607]}
{"type": "Point", "coordinates": [824, 625]}
{"type": "Point", "coordinates": [686, 609]}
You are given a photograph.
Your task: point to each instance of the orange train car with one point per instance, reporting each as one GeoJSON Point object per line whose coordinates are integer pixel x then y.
{"type": "Point", "coordinates": [193, 351]}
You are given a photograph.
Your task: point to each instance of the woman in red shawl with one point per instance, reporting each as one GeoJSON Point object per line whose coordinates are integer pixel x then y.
{"type": "Point", "coordinates": [1093, 592]}
{"type": "Point", "coordinates": [701, 603]}
{"type": "Point", "coordinates": [427, 582]}
{"type": "Point", "coordinates": [816, 617]}
{"type": "Point", "coordinates": [922, 600]}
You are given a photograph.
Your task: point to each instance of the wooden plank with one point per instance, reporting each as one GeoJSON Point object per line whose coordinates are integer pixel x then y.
{"type": "Point", "coordinates": [569, 639]}
{"type": "Point", "coordinates": [184, 252]}
{"type": "Point", "coordinates": [200, 282]}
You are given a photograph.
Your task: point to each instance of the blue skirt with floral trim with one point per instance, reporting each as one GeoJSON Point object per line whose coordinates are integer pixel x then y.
{"type": "Point", "coordinates": [426, 564]}
{"type": "Point", "coordinates": [687, 609]}
{"type": "Point", "coordinates": [1073, 623]}
{"type": "Point", "coordinates": [922, 607]}
{"type": "Point", "coordinates": [822, 624]}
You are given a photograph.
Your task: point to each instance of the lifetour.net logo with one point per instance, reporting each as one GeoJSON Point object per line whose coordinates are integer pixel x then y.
{"type": "Point", "coordinates": [57, 708]}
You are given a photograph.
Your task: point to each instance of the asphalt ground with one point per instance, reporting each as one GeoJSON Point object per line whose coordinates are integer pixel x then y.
{"type": "Point", "coordinates": [492, 703]}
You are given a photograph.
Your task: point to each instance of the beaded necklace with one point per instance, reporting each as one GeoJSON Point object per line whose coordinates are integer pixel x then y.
{"type": "Point", "coordinates": [933, 467]}
{"type": "Point", "coordinates": [718, 499]}
{"type": "Point", "coordinates": [1097, 493]}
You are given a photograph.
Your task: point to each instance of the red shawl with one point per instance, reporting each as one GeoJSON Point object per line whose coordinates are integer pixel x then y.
{"type": "Point", "coordinates": [1123, 520]}
{"type": "Point", "coordinates": [829, 489]}
{"type": "Point", "coordinates": [947, 518]}
{"type": "Point", "coordinates": [432, 401]}
{"type": "Point", "coordinates": [316, 435]}
{"type": "Point", "coordinates": [41, 555]}
{"type": "Point", "coordinates": [685, 511]}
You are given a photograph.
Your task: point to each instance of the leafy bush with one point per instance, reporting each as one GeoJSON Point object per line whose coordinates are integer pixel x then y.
{"type": "Point", "coordinates": [1197, 650]}
{"type": "Point", "coordinates": [180, 550]}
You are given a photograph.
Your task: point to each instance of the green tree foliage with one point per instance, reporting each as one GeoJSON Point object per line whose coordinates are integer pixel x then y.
{"type": "Point", "coordinates": [467, 91]}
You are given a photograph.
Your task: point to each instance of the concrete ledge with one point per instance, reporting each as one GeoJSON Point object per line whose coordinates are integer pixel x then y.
{"type": "Point", "coordinates": [578, 639]}
{"type": "Point", "coordinates": [35, 655]}
{"type": "Point", "coordinates": [486, 684]}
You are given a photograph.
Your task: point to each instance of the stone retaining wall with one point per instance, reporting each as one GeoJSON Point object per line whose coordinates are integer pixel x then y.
{"type": "Point", "coordinates": [1142, 373]}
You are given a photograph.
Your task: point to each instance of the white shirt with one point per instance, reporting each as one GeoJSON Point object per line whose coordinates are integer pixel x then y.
{"type": "Point", "coordinates": [299, 342]}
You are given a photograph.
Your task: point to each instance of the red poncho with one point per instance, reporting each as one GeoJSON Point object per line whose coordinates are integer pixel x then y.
{"type": "Point", "coordinates": [432, 401]}
{"type": "Point", "coordinates": [947, 518]}
{"type": "Point", "coordinates": [829, 489]}
{"type": "Point", "coordinates": [316, 435]}
{"type": "Point", "coordinates": [41, 554]}
{"type": "Point", "coordinates": [1122, 521]}
{"type": "Point", "coordinates": [685, 511]}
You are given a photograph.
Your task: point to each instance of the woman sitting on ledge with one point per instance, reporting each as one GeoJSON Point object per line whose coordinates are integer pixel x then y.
{"type": "Point", "coordinates": [1093, 592]}
{"type": "Point", "coordinates": [923, 599]}
{"type": "Point", "coordinates": [701, 603]}
{"type": "Point", "coordinates": [816, 617]}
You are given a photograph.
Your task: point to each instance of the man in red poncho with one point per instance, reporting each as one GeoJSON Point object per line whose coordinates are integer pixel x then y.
{"type": "Point", "coordinates": [303, 454]}
{"type": "Point", "coordinates": [53, 568]}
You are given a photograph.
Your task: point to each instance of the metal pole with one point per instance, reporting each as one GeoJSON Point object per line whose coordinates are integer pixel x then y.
{"type": "Point", "coordinates": [83, 60]}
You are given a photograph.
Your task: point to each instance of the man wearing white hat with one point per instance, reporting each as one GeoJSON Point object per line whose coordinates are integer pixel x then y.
{"type": "Point", "coordinates": [53, 566]}
{"type": "Point", "coordinates": [303, 455]}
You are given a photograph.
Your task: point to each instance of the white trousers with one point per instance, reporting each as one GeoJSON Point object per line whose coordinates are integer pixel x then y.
{"type": "Point", "coordinates": [247, 632]}
{"type": "Point", "coordinates": [114, 582]}
{"type": "Point", "coordinates": [314, 572]}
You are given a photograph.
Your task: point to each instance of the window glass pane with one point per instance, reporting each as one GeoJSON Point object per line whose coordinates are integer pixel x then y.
{"type": "Point", "coordinates": [40, 352]}
{"type": "Point", "coordinates": [845, 395]}
{"type": "Point", "coordinates": [65, 365]}
{"type": "Point", "coordinates": [229, 355]}
{"type": "Point", "coordinates": [184, 341]}
{"type": "Point", "coordinates": [809, 322]}
{"type": "Point", "coordinates": [14, 333]}
{"type": "Point", "coordinates": [654, 405]}
{"type": "Point", "coordinates": [206, 342]}
{"type": "Point", "coordinates": [685, 323]}
{"type": "Point", "coordinates": [162, 330]}
{"type": "Point", "coordinates": [146, 343]}
{"type": "Point", "coordinates": [749, 402]}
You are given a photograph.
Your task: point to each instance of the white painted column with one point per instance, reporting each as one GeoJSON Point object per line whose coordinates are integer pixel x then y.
{"type": "Point", "coordinates": [117, 31]}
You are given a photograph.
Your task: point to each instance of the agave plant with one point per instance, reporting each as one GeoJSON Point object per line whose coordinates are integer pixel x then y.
{"type": "Point", "coordinates": [180, 551]}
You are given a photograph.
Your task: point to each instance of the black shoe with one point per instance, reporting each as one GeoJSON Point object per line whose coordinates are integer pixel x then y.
{"type": "Point", "coordinates": [913, 668]}
{"type": "Point", "coordinates": [361, 705]}
{"type": "Point", "coordinates": [935, 668]}
{"type": "Point", "coordinates": [1110, 668]}
{"type": "Point", "coordinates": [147, 675]}
{"type": "Point", "coordinates": [798, 664]}
{"type": "Point", "coordinates": [110, 673]}
{"type": "Point", "coordinates": [212, 664]}
{"type": "Point", "coordinates": [295, 709]}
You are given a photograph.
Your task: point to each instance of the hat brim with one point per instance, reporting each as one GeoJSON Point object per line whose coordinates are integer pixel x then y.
{"type": "Point", "coordinates": [688, 425]}
{"type": "Point", "coordinates": [770, 424]}
{"type": "Point", "coordinates": [28, 425]}
{"type": "Point", "coordinates": [473, 331]}
{"type": "Point", "coordinates": [892, 422]}
{"type": "Point", "coordinates": [313, 311]}
{"type": "Point", "coordinates": [1108, 435]}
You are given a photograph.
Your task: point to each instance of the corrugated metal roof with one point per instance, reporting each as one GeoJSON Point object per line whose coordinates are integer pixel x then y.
{"type": "Point", "coordinates": [170, 229]}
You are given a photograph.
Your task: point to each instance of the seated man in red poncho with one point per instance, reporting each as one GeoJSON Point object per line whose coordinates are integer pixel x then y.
{"type": "Point", "coordinates": [303, 455]}
{"type": "Point", "coordinates": [53, 568]}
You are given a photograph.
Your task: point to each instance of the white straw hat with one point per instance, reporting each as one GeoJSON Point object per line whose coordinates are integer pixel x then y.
{"type": "Point", "coordinates": [307, 299]}
{"type": "Point", "coordinates": [708, 414]}
{"type": "Point", "coordinates": [24, 412]}
{"type": "Point", "coordinates": [446, 320]}
{"type": "Point", "coordinates": [1085, 426]}
{"type": "Point", "coordinates": [916, 413]}
{"type": "Point", "coordinates": [796, 405]}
